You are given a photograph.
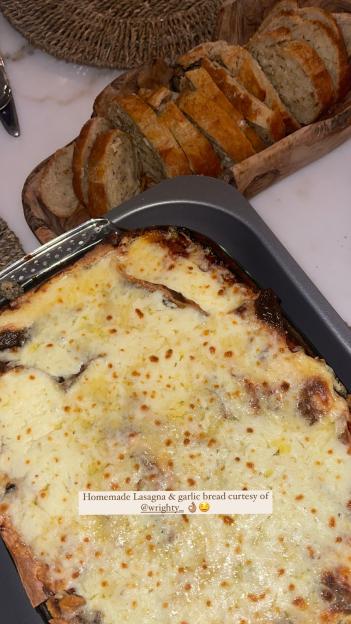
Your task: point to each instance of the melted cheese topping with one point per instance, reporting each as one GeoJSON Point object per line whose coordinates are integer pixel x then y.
{"type": "Point", "coordinates": [118, 387]}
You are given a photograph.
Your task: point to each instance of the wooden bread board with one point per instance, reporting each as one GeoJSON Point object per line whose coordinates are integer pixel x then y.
{"type": "Point", "coordinates": [238, 21]}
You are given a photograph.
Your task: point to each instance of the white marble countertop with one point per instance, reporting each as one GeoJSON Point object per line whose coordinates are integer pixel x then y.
{"type": "Point", "coordinates": [310, 211]}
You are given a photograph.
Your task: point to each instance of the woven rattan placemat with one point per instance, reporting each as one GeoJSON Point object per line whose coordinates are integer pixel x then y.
{"type": "Point", "coordinates": [114, 33]}
{"type": "Point", "coordinates": [10, 247]}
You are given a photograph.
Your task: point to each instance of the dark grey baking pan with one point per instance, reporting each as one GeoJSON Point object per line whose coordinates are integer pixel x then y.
{"type": "Point", "coordinates": [217, 211]}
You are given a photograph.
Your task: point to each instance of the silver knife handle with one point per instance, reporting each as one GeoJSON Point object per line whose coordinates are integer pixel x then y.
{"type": "Point", "coordinates": [8, 113]}
{"type": "Point", "coordinates": [35, 267]}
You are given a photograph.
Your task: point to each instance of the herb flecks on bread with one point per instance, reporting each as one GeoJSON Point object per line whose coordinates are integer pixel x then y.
{"type": "Point", "coordinates": [219, 106]}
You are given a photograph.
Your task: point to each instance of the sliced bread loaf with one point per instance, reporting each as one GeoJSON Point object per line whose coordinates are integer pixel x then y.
{"type": "Point", "coordinates": [343, 20]}
{"type": "Point", "coordinates": [83, 146]}
{"type": "Point", "coordinates": [199, 151]}
{"type": "Point", "coordinates": [160, 154]}
{"type": "Point", "coordinates": [202, 158]}
{"type": "Point", "coordinates": [199, 78]}
{"type": "Point", "coordinates": [267, 123]}
{"type": "Point", "coordinates": [296, 71]}
{"type": "Point", "coordinates": [217, 125]}
{"type": "Point", "coordinates": [56, 188]}
{"type": "Point", "coordinates": [244, 68]}
{"type": "Point", "coordinates": [113, 172]}
{"type": "Point", "coordinates": [322, 38]}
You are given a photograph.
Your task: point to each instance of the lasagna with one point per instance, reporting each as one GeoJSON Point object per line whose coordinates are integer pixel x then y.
{"type": "Point", "coordinates": [151, 365]}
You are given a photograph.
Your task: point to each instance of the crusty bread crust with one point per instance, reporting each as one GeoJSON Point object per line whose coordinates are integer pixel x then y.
{"type": "Point", "coordinates": [58, 169]}
{"type": "Point", "coordinates": [156, 97]}
{"type": "Point", "coordinates": [243, 67]}
{"type": "Point", "coordinates": [316, 13]}
{"type": "Point", "coordinates": [175, 161]}
{"type": "Point", "coordinates": [320, 36]}
{"type": "Point", "coordinates": [201, 79]}
{"type": "Point", "coordinates": [200, 153]}
{"type": "Point", "coordinates": [343, 21]}
{"type": "Point", "coordinates": [316, 69]}
{"type": "Point", "coordinates": [198, 150]}
{"type": "Point", "coordinates": [151, 76]}
{"type": "Point", "coordinates": [82, 149]}
{"type": "Point", "coordinates": [256, 112]}
{"type": "Point", "coordinates": [279, 8]}
{"type": "Point", "coordinates": [216, 122]}
{"type": "Point", "coordinates": [98, 170]}
{"type": "Point", "coordinates": [31, 571]}
{"type": "Point", "coordinates": [211, 49]}
{"type": "Point", "coordinates": [330, 24]}
{"type": "Point", "coordinates": [97, 195]}
{"type": "Point", "coordinates": [306, 58]}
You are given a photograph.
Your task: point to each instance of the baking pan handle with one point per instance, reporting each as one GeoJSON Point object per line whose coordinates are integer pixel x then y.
{"type": "Point", "coordinates": [34, 268]}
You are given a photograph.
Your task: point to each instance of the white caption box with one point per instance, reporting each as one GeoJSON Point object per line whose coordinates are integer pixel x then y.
{"type": "Point", "coordinates": [201, 502]}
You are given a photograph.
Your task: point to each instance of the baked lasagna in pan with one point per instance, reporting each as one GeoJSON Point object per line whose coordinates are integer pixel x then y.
{"type": "Point", "coordinates": [150, 365]}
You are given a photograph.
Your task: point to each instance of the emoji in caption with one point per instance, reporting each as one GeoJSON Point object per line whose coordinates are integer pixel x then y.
{"type": "Point", "coordinates": [192, 507]}
{"type": "Point", "coordinates": [204, 506]}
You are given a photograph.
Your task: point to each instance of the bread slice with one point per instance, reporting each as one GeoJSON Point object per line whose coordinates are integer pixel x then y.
{"type": "Point", "coordinates": [244, 68]}
{"type": "Point", "coordinates": [296, 71]}
{"type": "Point", "coordinates": [317, 14]}
{"type": "Point", "coordinates": [113, 172]}
{"type": "Point", "coordinates": [82, 148]}
{"type": "Point", "coordinates": [323, 40]}
{"type": "Point", "coordinates": [158, 150]}
{"type": "Point", "coordinates": [199, 78]}
{"type": "Point", "coordinates": [218, 126]}
{"type": "Point", "coordinates": [267, 123]}
{"type": "Point", "coordinates": [343, 21]}
{"type": "Point", "coordinates": [56, 188]}
{"type": "Point", "coordinates": [210, 49]}
{"type": "Point", "coordinates": [153, 169]}
{"type": "Point", "coordinates": [279, 8]}
{"type": "Point", "coordinates": [202, 157]}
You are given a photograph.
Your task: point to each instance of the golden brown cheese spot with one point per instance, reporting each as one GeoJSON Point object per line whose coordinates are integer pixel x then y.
{"type": "Point", "coordinates": [256, 597]}
{"type": "Point", "coordinates": [71, 603]}
{"type": "Point", "coordinates": [300, 603]}
{"type": "Point", "coordinates": [314, 399]}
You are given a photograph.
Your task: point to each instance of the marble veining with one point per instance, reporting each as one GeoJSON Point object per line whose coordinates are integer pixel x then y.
{"type": "Point", "coordinates": [308, 211]}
